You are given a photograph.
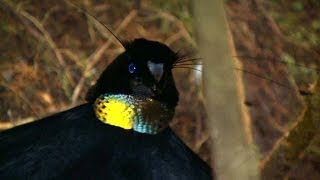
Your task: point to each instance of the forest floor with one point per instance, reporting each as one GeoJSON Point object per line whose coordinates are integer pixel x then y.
{"type": "Point", "coordinates": [51, 53]}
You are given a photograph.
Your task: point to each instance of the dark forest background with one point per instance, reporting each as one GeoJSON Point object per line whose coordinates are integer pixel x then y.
{"type": "Point", "coordinates": [51, 52]}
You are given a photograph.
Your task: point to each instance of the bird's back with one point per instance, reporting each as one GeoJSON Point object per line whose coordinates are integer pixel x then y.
{"type": "Point", "coordinates": [75, 145]}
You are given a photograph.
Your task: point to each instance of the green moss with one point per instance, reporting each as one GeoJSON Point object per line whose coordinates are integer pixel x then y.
{"type": "Point", "coordinates": [299, 73]}
{"type": "Point", "coordinates": [297, 6]}
{"type": "Point", "coordinates": [314, 148]}
{"type": "Point", "coordinates": [182, 9]}
{"type": "Point", "coordinates": [296, 20]}
{"type": "Point", "coordinates": [316, 24]}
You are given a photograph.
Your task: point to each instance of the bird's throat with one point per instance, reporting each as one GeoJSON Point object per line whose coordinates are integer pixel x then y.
{"type": "Point", "coordinates": [141, 114]}
{"type": "Point", "coordinates": [115, 111]}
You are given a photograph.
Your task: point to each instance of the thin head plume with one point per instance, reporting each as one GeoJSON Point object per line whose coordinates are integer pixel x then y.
{"type": "Point", "coordinates": [190, 63]}
{"type": "Point", "coordinates": [95, 19]}
{"type": "Point", "coordinates": [184, 61]}
{"type": "Point", "coordinates": [265, 78]}
{"type": "Point", "coordinates": [194, 61]}
{"type": "Point", "coordinates": [276, 60]}
{"type": "Point", "coordinates": [186, 58]}
{"type": "Point", "coordinates": [187, 67]}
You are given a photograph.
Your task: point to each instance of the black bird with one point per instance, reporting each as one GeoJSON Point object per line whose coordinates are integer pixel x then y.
{"type": "Point", "coordinates": [76, 144]}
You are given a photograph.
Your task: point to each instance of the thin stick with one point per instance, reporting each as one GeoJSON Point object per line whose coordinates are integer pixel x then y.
{"type": "Point", "coordinates": [173, 38]}
{"type": "Point", "coordinates": [180, 25]}
{"type": "Point", "coordinates": [95, 57]}
{"type": "Point", "coordinates": [95, 20]}
{"type": "Point", "coordinates": [50, 42]}
{"type": "Point", "coordinates": [23, 97]}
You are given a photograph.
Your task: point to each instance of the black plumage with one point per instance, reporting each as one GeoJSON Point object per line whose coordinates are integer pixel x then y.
{"type": "Point", "coordinates": [75, 145]}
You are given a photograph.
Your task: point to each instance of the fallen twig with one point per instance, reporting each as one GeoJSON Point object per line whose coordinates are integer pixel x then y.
{"type": "Point", "coordinates": [95, 57]}
{"type": "Point", "coordinates": [45, 35]}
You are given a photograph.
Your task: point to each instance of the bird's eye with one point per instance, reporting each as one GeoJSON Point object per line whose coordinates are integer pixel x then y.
{"type": "Point", "coordinates": [132, 68]}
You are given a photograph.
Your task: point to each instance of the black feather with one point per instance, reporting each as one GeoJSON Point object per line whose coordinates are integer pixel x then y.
{"type": "Point", "coordinates": [117, 79]}
{"type": "Point", "coordinates": [75, 145]}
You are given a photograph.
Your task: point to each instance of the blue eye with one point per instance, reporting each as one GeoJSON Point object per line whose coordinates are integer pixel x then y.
{"type": "Point", "coordinates": [132, 68]}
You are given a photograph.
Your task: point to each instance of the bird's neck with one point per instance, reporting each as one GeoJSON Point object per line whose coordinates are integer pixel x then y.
{"type": "Point", "coordinates": [143, 115]}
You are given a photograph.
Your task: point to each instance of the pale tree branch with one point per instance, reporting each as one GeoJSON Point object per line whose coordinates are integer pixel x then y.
{"type": "Point", "coordinates": [233, 154]}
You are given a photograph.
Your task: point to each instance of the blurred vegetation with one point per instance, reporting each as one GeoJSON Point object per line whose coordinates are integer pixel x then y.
{"type": "Point", "coordinates": [35, 36]}
{"type": "Point", "coordinates": [50, 53]}
{"type": "Point", "coordinates": [298, 20]}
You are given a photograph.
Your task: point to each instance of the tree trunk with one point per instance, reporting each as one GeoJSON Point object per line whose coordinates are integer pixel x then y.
{"type": "Point", "coordinates": [233, 155]}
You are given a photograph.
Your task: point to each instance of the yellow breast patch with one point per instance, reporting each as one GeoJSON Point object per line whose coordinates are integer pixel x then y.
{"type": "Point", "coordinates": [115, 111]}
{"type": "Point", "coordinates": [143, 115]}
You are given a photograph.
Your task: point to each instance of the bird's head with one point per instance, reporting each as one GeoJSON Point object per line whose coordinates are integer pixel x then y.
{"type": "Point", "coordinates": [143, 70]}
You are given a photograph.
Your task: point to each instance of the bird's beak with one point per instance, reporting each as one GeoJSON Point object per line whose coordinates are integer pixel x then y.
{"type": "Point", "coordinates": [156, 69]}
{"type": "Point", "coordinates": [142, 90]}
{"type": "Point", "coordinates": [139, 88]}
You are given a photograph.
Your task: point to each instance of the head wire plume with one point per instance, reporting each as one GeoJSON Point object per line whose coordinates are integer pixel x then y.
{"type": "Point", "coordinates": [94, 59]}
{"type": "Point", "coordinates": [96, 20]}
{"type": "Point", "coordinates": [184, 61]}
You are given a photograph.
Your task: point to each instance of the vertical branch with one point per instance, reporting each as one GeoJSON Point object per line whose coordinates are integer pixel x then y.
{"type": "Point", "coordinates": [288, 150]}
{"type": "Point", "coordinates": [234, 157]}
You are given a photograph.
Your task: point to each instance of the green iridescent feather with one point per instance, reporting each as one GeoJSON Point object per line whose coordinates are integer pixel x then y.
{"type": "Point", "coordinates": [149, 116]}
